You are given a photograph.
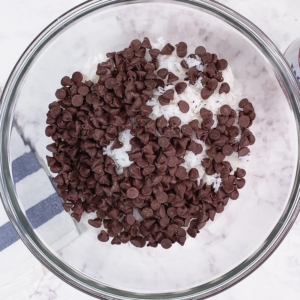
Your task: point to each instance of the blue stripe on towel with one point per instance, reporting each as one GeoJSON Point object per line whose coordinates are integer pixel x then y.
{"type": "Point", "coordinates": [44, 210]}
{"type": "Point", "coordinates": [24, 166]}
{"type": "Point", "coordinates": [37, 215]}
{"type": "Point", "coordinates": [8, 235]}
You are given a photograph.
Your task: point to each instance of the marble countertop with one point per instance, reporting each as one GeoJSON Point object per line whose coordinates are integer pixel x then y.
{"type": "Point", "coordinates": [279, 277]}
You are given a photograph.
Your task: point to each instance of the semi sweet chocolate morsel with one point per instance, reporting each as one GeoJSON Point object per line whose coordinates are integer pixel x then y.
{"type": "Point", "coordinates": [167, 49]}
{"type": "Point", "coordinates": [183, 106]}
{"type": "Point", "coordinates": [181, 49]}
{"type": "Point", "coordinates": [180, 87]}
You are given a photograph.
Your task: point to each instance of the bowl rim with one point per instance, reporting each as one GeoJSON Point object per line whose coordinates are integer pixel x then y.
{"type": "Point", "coordinates": [62, 270]}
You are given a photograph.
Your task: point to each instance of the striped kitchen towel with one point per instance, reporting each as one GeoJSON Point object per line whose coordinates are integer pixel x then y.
{"type": "Point", "coordinates": [44, 212]}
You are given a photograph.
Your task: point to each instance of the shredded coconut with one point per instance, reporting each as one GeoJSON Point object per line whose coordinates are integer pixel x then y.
{"type": "Point", "coordinates": [192, 96]}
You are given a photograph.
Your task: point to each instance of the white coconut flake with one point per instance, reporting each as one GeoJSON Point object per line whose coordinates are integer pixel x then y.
{"type": "Point", "coordinates": [137, 215]}
{"type": "Point", "coordinates": [192, 62]}
{"type": "Point", "coordinates": [120, 155]}
{"type": "Point", "coordinates": [214, 180]}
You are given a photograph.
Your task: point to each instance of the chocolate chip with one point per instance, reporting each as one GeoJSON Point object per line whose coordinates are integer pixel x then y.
{"type": "Point", "coordinates": [166, 243]}
{"type": "Point", "coordinates": [77, 100]}
{"type": "Point", "coordinates": [225, 110]}
{"type": "Point", "coordinates": [95, 223]}
{"type": "Point", "coordinates": [244, 121]}
{"type": "Point", "coordinates": [169, 94]}
{"type": "Point", "coordinates": [206, 93]}
{"type": "Point", "coordinates": [200, 50]}
{"type": "Point", "coordinates": [103, 236]}
{"type": "Point", "coordinates": [181, 173]}
{"type": "Point", "coordinates": [248, 108]}
{"type": "Point", "coordinates": [195, 148]}
{"type": "Point", "coordinates": [252, 116]}
{"type": "Point", "coordinates": [187, 130]}
{"type": "Point", "coordinates": [228, 188]}
{"type": "Point", "coordinates": [225, 88]}
{"type": "Point", "coordinates": [83, 90]}
{"type": "Point", "coordinates": [67, 206]}
{"type": "Point", "coordinates": [171, 212]}
{"type": "Point", "coordinates": [60, 94]}
{"type": "Point", "coordinates": [116, 227]}
{"type": "Point", "coordinates": [210, 71]}
{"type": "Point", "coordinates": [205, 113]}
{"type": "Point", "coordinates": [116, 240]}
{"type": "Point", "coordinates": [240, 173]}
{"type": "Point", "coordinates": [206, 57]}
{"type": "Point", "coordinates": [192, 232]}
{"type": "Point", "coordinates": [251, 139]}
{"type": "Point", "coordinates": [174, 122]}
{"type": "Point", "coordinates": [110, 83]}
{"type": "Point", "coordinates": [163, 142]}
{"type": "Point", "coordinates": [193, 174]}
{"type": "Point", "coordinates": [230, 122]}
{"type": "Point", "coordinates": [161, 122]}
{"type": "Point", "coordinates": [192, 75]}
{"type": "Point", "coordinates": [219, 157]}
{"type": "Point", "coordinates": [233, 131]}
{"type": "Point", "coordinates": [163, 101]}
{"type": "Point", "coordinates": [222, 119]}
{"type": "Point", "coordinates": [219, 167]}
{"type": "Point", "coordinates": [194, 124]}
{"type": "Point", "coordinates": [161, 197]}
{"type": "Point", "coordinates": [219, 77]}
{"type": "Point", "coordinates": [181, 49]}
{"type": "Point", "coordinates": [172, 161]}
{"type": "Point", "coordinates": [212, 84]}
{"type": "Point", "coordinates": [214, 134]}
{"type": "Point", "coordinates": [184, 64]}
{"type": "Point", "coordinates": [136, 44]}
{"type": "Point", "coordinates": [154, 53]}
{"type": "Point", "coordinates": [172, 77]}
{"type": "Point", "coordinates": [207, 124]}
{"type": "Point", "coordinates": [55, 111]}
{"type": "Point", "coordinates": [221, 64]}
{"type": "Point", "coordinates": [147, 212]}
{"type": "Point", "coordinates": [206, 163]}
{"type": "Point", "coordinates": [234, 195]}
{"type": "Point", "coordinates": [77, 77]}
{"type": "Point", "coordinates": [50, 130]}
{"type": "Point", "coordinates": [128, 53]}
{"type": "Point", "coordinates": [227, 150]}
{"type": "Point", "coordinates": [244, 151]}
{"type": "Point", "coordinates": [138, 241]}
{"type": "Point", "coordinates": [183, 106]}
{"type": "Point", "coordinates": [180, 87]}
{"type": "Point", "coordinates": [240, 183]}
{"type": "Point", "coordinates": [163, 73]}
{"type": "Point", "coordinates": [214, 58]}
{"type": "Point", "coordinates": [146, 43]}
{"type": "Point", "coordinates": [130, 219]}
{"type": "Point", "coordinates": [243, 102]}
{"type": "Point", "coordinates": [66, 81]}
{"type": "Point", "coordinates": [167, 49]}
{"type": "Point", "coordinates": [132, 193]}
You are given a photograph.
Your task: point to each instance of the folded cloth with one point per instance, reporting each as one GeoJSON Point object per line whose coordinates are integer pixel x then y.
{"type": "Point", "coordinates": [44, 211]}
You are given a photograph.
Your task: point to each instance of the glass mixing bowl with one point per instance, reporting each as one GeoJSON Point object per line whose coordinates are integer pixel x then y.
{"type": "Point", "coordinates": [226, 250]}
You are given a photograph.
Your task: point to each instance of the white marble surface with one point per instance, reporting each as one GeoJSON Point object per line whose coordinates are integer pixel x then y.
{"type": "Point", "coordinates": [279, 277]}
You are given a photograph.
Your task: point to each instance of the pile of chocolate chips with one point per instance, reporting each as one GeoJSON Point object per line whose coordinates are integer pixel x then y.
{"type": "Point", "coordinates": [89, 116]}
